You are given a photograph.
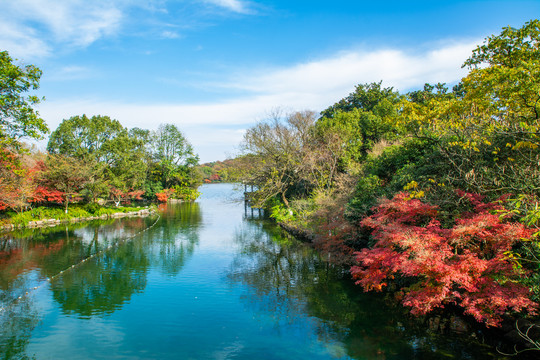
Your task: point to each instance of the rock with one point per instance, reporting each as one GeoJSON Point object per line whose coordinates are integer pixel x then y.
{"type": "Point", "coordinates": [458, 325]}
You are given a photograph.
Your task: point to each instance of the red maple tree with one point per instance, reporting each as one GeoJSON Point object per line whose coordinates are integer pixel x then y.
{"type": "Point", "coordinates": [469, 265]}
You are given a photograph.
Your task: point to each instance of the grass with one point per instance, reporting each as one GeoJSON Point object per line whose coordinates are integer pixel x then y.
{"type": "Point", "coordinates": [58, 213]}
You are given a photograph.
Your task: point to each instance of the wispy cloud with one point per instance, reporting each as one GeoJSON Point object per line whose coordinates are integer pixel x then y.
{"type": "Point", "coordinates": [338, 74]}
{"type": "Point", "coordinates": [22, 41]}
{"type": "Point", "coordinates": [68, 73]}
{"type": "Point", "coordinates": [237, 6]}
{"type": "Point", "coordinates": [27, 23]}
{"type": "Point", "coordinates": [311, 85]}
{"type": "Point", "coordinates": [167, 34]}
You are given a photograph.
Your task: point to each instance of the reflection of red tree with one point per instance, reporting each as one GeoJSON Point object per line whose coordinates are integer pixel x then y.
{"type": "Point", "coordinates": [17, 261]}
{"type": "Point", "coordinates": [469, 265]}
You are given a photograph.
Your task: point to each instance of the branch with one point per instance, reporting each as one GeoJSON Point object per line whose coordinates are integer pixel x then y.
{"type": "Point", "coordinates": [524, 335]}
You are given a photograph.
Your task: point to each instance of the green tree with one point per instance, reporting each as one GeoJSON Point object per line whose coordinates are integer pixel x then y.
{"type": "Point", "coordinates": [361, 120]}
{"type": "Point", "coordinates": [17, 116]}
{"type": "Point", "coordinates": [173, 155]}
{"type": "Point", "coordinates": [119, 157]}
{"type": "Point", "coordinates": [366, 97]}
{"type": "Point", "coordinates": [85, 138]}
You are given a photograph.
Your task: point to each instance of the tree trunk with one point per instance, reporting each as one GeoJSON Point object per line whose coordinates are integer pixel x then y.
{"type": "Point", "coordinates": [284, 199]}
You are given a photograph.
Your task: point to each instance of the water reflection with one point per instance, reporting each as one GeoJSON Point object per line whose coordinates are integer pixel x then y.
{"type": "Point", "coordinates": [103, 285]}
{"type": "Point", "coordinates": [175, 238]}
{"type": "Point", "coordinates": [230, 285]}
{"type": "Point", "coordinates": [96, 287]}
{"type": "Point", "coordinates": [16, 325]}
{"type": "Point", "coordinates": [287, 279]}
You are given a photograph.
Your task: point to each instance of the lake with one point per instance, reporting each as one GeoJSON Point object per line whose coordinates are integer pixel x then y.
{"type": "Point", "coordinates": [203, 280]}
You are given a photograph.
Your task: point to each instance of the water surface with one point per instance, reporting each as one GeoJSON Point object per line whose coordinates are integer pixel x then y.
{"type": "Point", "coordinates": [206, 280]}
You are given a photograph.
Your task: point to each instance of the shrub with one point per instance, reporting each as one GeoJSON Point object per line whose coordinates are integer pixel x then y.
{"type": "Point", "coordinates": [470, 264]}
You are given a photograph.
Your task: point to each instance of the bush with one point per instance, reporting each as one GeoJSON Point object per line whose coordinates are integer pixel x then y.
{"type": "Point", "coordinates": [471, 264]}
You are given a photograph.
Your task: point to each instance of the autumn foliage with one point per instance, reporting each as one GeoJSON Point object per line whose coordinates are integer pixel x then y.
{"type": "Point", "coordinates": [469, 265]}
{"type": "Point", "coordinates": [43, 195]}
{"type": "Point", "coordinates": [164, 195]}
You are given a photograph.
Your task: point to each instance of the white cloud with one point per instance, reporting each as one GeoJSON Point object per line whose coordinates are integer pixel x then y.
{"type": "Point", "coordinates": [311, 85]}
{"type": "Point", "coordinates": [31, 27]}
{"type": "Point", "coordinates": [337, 75]}
{"type": "Point", "coordinates": [170, 34]}
{"type": "Point", "coordinates": [21, 41]}
{"type": "Point", "coordinates": [236, 6]}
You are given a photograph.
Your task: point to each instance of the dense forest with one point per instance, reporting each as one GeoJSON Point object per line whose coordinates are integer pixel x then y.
{"type": "Point", "coordinates": [92, 161]}
{"type": "Point", "coordinates": [432, 194]}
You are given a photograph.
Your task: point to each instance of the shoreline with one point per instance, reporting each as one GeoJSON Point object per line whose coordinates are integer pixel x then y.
{"type": "Point", "coordinates": [55, 222]}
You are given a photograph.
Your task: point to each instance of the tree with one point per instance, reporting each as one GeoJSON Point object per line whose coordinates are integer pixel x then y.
{"type": "Point", "coordinates": [362, 119]}
{"type": "Point", "coordinates": [85, 138]}
{"type": "Point", "coordinates": [489, 130]}
{"type": "Point", "coordinates": [119, 158]}
{"type": "Point", "coordinates": [280, 148]}
{"type": "Point", "coordinates": [17, 116]}
{"type": "Point", "coordinates": [173, 155]}
{"type": "Point", "coordinates": [470, 264]}
{"type": "Point", "coordinates": [366, 97]}
{"type": "Point", "coordinates": [66, 174]}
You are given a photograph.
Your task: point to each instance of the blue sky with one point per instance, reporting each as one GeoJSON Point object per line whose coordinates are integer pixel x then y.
{"type": "Point", "coordinates": [215, 67]}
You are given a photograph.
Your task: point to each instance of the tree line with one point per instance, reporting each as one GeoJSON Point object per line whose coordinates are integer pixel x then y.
{"type": "Point", "coordinates": [88, 159]}
{"type": "Point", "coordinates": [433, 193]}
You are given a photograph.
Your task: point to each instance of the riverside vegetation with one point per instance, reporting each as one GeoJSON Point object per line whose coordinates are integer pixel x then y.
{"type": "Point", "coordinates": [431, 195]}
{"type": "Point", "coordinates": [94, 161]}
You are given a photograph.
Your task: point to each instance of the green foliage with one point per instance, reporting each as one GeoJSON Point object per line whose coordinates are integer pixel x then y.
{"type": "Point", "coordinates": [363, 119]}
{"type": "Point", "coordinates": [86, 138]}
{"type": "Point", "coordinates": [368, 190]}
{"type": "Point", "coordinates": [58, 213]}
{"type": "Point", "coordinates": [17, 116]}
{"type": "Point", "coordinates": [281, 213]}
{"type": "Point", "coordinates": [123, 160]}
{"type": "Point", "coordinates": [185, 193]}
{"type": "Point", "coordinates": [366, 97]}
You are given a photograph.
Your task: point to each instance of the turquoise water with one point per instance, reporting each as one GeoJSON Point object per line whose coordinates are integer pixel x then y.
{"type": "Point", "coordinates": [206, 280]}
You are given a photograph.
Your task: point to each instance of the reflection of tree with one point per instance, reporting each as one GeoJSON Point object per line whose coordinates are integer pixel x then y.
{"type": "Point", "coordinates": [284, 277]}
{"type": "Point", "coordinates": [16, 325]}
{"type": "Point", "coordinates": [275, 268]}
{"type": "Point", "coordinates": [176, 237]}
{"type": "Point", "coordinates": [104, 283]}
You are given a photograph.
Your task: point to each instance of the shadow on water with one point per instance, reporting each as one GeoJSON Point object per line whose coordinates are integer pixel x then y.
{"type": "Point", "coordinates": [288, 279]}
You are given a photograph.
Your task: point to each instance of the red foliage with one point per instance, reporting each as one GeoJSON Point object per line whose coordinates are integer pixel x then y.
{"type": "Point", "coordinates": [164, 195]}
{"type": "Point", "coordinates": [43, 194]}
{"type": "Point", "coordinates": [468, 265]}
{"type": "Point", "coordinates": [135, 194]}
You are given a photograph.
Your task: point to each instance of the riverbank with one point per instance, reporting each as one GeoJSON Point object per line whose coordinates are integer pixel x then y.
{"type": "Point", "coordinates": [45, 217]}
{"type": "Point", "coordinates": [514, 336]}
